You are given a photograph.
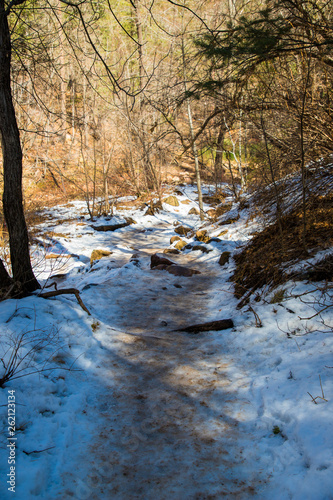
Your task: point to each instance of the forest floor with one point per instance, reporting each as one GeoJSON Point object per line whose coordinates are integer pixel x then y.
{"type": "Point", "coordinates": [126, 406]}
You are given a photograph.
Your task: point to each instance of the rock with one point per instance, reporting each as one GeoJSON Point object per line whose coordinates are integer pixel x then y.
{"type": "Point", "coordinates": [180, 244]}
{"type": "Point", "coordinates": [223, 232]}
{"type": "Point", "coordinates": [185, 202]}
{"type": "Point", "coordinates": [156, 260]}
{"type": "Point", "coordinates": [194, 211]}
{"type": "Point", "coordinates": [160, 267]}
{"type": "Point", "coordinates": [201, 248]}
{"type": "Point", "coordinates": [98, 254]}
{"type": "Point", "coordinates": [224, 258]}
{"type": "Point", "coordinates": [111, 227]}
{"type": "Point", "coordinates": [202, 235]}
{"type": "Point", "coordinates": [182, 230]}
{"type": "Point", "coordinates": [172, 200]}
{"type": "Point", "coordinates": [163, 264]}
{"type": "Point", "coordinates": [181, 271]}
{"type": "Point", "coordinates": [171, 250]}
{"type": "Point", "coordinates": [174, 238]}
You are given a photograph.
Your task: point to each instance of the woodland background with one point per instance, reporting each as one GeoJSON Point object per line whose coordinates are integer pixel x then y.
{"type": "Point", "coordinates": [115, 97]}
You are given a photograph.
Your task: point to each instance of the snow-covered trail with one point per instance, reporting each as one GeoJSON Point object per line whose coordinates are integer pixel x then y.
{"type": "Point", "coordinates": [128, 407]}
{"type": "Point", "coordinates": [169, 411]}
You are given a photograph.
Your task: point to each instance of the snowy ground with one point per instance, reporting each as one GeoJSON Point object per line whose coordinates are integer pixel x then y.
{"type": "Point", "coordinates": [125, 407]}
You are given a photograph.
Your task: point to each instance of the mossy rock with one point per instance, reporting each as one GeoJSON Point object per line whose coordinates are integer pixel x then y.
{"type": "Point", "coordinates": [173, 239]}
{"type": "Point", "coordinates": [202, 235]}
{"type": "Point", "coordinates": [98, 254]}
{"type": "Point", "coordinates": [172, 200]}
{"type": "Point", "coordinates": [224, 258]}
{"type": "Point", "coordinates": [180, 244]}
{"type": "Point", "coordinates": [194, 211]}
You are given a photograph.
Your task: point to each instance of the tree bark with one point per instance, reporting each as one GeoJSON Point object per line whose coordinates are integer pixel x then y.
{"type": "Point", "coordinates": [12, 168]}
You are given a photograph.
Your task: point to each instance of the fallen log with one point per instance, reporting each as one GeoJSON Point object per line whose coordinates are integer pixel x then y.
{"type": "Point", "coordinates": [65, 291]}
{"type": "Point", "coordinates": [222, 324]}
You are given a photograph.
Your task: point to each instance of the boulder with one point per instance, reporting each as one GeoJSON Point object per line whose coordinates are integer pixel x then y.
{"type": "Point", "coordinates": [172, 200]}
{"type": "Point", "coordinates": [174, 238]}
{"type": "Point", "coordinates": [194, 211]}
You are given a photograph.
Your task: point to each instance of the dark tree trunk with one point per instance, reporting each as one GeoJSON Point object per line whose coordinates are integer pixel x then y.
{"type": "Point", "coordinates": [12, 169]}
{"type": "Point", "coordinates": [5, 280]}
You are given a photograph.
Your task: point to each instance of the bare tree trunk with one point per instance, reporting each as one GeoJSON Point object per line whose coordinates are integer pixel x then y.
{"type": "Point", "coordinates": [196, 160]}
{"type": "Point", "coordinates": [194, 146]}
{"type": "Point", "coordinates": [12, 168]}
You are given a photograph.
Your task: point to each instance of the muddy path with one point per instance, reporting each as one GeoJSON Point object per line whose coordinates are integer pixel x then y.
{"type": "Point", "coordinates": [172, 424]}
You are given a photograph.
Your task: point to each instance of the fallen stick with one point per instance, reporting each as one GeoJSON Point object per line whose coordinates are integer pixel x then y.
{"type": "Point", "coordinates": [222, 324]}
{"type": "Point", "coordinates": [65, 291]}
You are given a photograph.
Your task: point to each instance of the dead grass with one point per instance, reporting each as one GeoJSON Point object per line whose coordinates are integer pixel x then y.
{"type": "Point", "coordinates": [266, 259]}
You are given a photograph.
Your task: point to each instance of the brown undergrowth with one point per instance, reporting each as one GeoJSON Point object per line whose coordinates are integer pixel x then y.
{"type": "Point", "coordinates": [265, 261]}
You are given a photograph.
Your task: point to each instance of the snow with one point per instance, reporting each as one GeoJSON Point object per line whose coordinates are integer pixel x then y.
{"type": "Point", "coordinates": [121, 405]}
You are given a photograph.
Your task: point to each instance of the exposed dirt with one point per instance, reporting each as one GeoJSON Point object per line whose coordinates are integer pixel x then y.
{"type": "Point", "coordinates": [179, 414]}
